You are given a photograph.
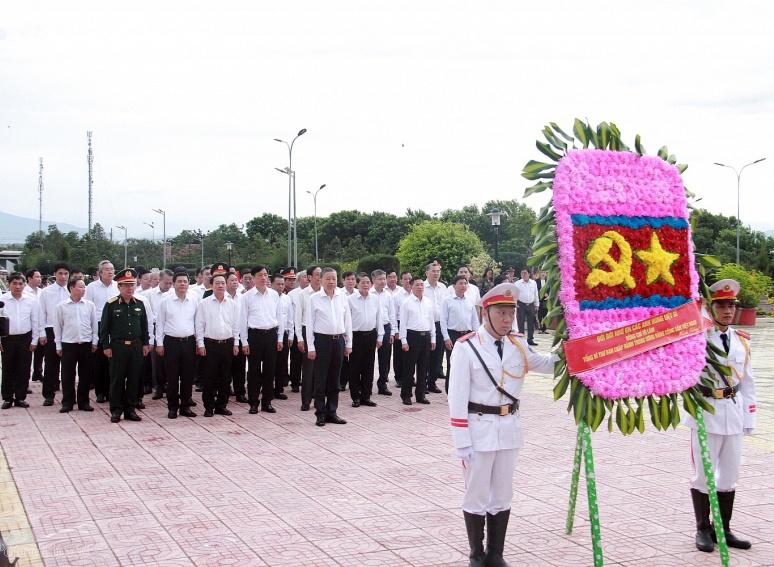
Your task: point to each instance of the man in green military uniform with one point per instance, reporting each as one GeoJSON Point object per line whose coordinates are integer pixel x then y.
{"type": "Point", "coordinates": [124, 338]}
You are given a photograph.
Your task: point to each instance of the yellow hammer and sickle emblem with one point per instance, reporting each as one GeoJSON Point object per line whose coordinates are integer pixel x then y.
{"type": "Point", "coordinates": [599, 253]}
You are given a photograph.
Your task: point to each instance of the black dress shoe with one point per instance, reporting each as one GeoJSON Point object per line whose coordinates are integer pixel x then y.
{"type": "Point", "coordinates": [423, 401]}
{"type": "Point", "coordinates": [342, 388]}
{"type": "Point", "coordinates": [172, 414]}
{"type": "Point", "coordinates": [48, 402]}
{"type": "Point", "coordinates": [304, 407]}
{"type": "Point", "coordinates": [406, 402]}
{"type": "Point", "coordinates": [140, 405]}
{"type": "Point", "coordinates": [65, 409]}
{"type": "Point", "coordinates": [191, 403]}
{"type": "Point", "coordinates": [253, 409]}
{"type": "Point", "coordinates": [280, 396]}
{"type": "Point", "coordinates": [158, 395]}
{"type": "Point", "coordinates": [368, 403]}
{"type": "Point", "coordinates": [198, 389]}
{"type": "Point", "coordinates": [185, 412]}
{"type": "Point", "coordinates": [356, 404]}
{"type": "Point", "coordinates": [132, 416]}
{"type": "Point", "coordinates": [295, 389]}
{"type": "Point", "coordinates": [532, 343]}
{"type": "Point", "coordinates": [335, 419]}
{"type": "Point", "coordinates": [320, 422]}
{"type": "Point", "coordinates": [147, 390]}
{"type": "Point", "coordinates": [268, 408]}
{"type": "Point", "coordinates": [434, 389]}
{"type": "Point", "coordinates": [115, 418]}
{"type": "Point", "coordinates": [21, 404]}
{"type": "Point", "coordinates": [7, 404]}
{"type": "Point", "coordinates": [223, 411]}
{"type": "Point", "coordinates": [242, 399]}
{"type": "Point", "coordinates": [231, 393]}
{"type": "Point", "coordinates": [29, 391]}
{"type": "Point", "coordinates": [101, 399]}
{"type": "Point", "coordinates": [208, 413]}
{"type": "Point", "coordinates": [385, 393]}
{"type": "Point", "coordinates": [85, 407]}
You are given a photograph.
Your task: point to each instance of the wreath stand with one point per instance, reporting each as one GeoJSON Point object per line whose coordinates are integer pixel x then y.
{"type": "Point", "coordinates": [583, 451]}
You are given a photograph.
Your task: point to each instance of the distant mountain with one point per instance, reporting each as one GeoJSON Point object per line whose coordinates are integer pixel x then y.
{"type": "Point", "coordinates": [15, 229]}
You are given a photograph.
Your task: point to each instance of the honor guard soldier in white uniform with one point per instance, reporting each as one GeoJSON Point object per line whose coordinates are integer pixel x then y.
{"type": "Point", "coordinates": [487, 371]}
{"type": "Point", "coordinates": [733, 398]}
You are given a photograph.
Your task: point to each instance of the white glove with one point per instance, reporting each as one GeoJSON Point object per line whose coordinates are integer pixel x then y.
{"type": "Point", "coordinates": [748, 430]}
{"type": "Point", "coordinates": [465, 453]}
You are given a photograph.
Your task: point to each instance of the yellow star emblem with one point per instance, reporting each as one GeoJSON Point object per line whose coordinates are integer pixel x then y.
{"type": "Point", "coordinates": [658, 261]}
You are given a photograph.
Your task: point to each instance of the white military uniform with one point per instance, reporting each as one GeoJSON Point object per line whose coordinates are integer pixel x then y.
{"type": "Point", "coordinates": [495, 439]}
{"type": "Point", "coordinates": [732, 417]}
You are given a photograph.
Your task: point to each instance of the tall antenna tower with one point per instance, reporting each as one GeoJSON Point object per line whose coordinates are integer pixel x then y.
{"type": "Point", "coordinates": [40, 196]}
{"type": "Point", "coordinates": [91, 161]}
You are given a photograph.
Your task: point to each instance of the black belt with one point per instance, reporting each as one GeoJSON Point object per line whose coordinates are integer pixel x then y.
{"type": "Point", "coordinates": [718, 393]}
{"type": "Point", "coordinates": [218, 341]}
{"type": "Point", "coordinates": [126, 343]}
{"type": "Point", "coordinates": [420, 333]}
{"type": "Point", "coordinates": [366, 333]}
{"type": "Point", "coordinates": [330, 337]}
{"type": "Point", "coordinates": [494, 410]}
{"type": "Point", "coordinates": [20, 336]}
{"type": "Point", "coordinates": [181, 339]}
{"type": "Point", "coordinates": [264, 331]}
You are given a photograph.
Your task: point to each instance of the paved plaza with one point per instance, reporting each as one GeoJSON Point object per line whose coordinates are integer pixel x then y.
{"type": "Point", "coordinates": [385, 489]}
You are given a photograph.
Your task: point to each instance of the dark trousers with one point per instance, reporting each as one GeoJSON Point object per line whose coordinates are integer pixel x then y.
{"type": "Point", "coordinates": [417, 358]}
{"type": "Point", "coordinates": [307, 381]}
{"type": "Point", "coordinates": [180, 366]}
{"type": "Point", "coordinates": [397, 360]}
{"type": "Point", "coordinates": [296, 363]}
{"type": "Point", "coordinates": [526, 311]}
{"type": "Point", "coordinates": [217, 373]}
{"type": "Point", "coordinates": [454, 336]}
{"type": "Point", "coordinates": [434, 370]}
{"type": "Point", "coordinates": [383, 353]}
{"type": "Point", "coordinates": [327, 367]}
{"type": "Point", "coordinates": [159, 371]}
{"type": "Point", "coordinates": [344, 374]}
{"type": "Point", "coordinates": [260, 370]}
{"type": "Point", "coordinates": [51, 372]}
{"type": "Point", "coordinates": [147, 374]}
{"type": "Point", "coordinates": [37, 362]}
{"type": "Point", "coordinates": [281, 374]}
{"type": "Point", "coordinates": [101, 372]}
{"type": "Point", "coordinates": [542, 312]}
{"type": "Point", "coordinates": [125, 371]}
{"type": "Point", "coordinates": [16, 357]}
{"type": "Point", "coordinates": [238, 368]}
{"type": "Point", "coordinates": [76, 355]}
{"type": "Point", "coordinates": [361, 365]}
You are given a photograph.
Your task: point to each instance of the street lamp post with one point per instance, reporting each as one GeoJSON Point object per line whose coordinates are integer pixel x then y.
{"type": "Point", "coordinates": [153, 230]}
{"type": "Point", "coordinates": [495, 216]}
{"type": "Point", "coordinates": [201, 245]}
{"type": "Point", "coordinates": [164, 245]}
{"type": "Point", "coordinates": [314, 196]}
{"type": "Point", "coordinates": [229, 246]}
{"type": "Point", "coordinates": [292, 191]}
{"type": "Point", "coordinates": [738, 185]}
{"type": "Point", "coordinates": [126, 246]}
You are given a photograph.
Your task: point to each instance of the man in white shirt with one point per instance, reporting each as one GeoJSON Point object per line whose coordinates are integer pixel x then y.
{"type": "Point", "coordinates": [417, 335]}
{"type": "Point", "coordinates": [155, 296]}
{"type": "Point", "coordinates": [281, 370]}
{"type": "Point", "coordinates": [348, 281]}
{"type": "Point", "coordinates": [296, 356]}
{"type": "Point", "coordinates": [262, 331]}
{"type": "Point", "coordinates": [33, 288]}
{"type": "Point", "coordinates": [217, 341]}
{"type": "Point", "coordinates": [17, 347]}
{"type": "Point", "coordinates": [435, 291]}
{"type": "Point", "coordinates": [390, 326]}
{"type": "Point", "coordinates": [99, 292]}
{"type": "Point", "coordinates": [76, 337]}
{"type": "Point", "coordinates": [458, 317]}
{"type": "Point", "coordinates": [399, 295]}
{"type": "Point", "coordinates": [527, 305]}
{"type": "Point", "coordinates": [472, 292]}
{"type": "Point", "coordinates": [367, 336]}
{"type": "Point", "coordinates": [49, 298]}
{"type": "Point", "coordinates": [329, 328]}
{"type": "Point", "coordinates": [176, 343]}
{"type": "Point", "coordinates": [314, 273]}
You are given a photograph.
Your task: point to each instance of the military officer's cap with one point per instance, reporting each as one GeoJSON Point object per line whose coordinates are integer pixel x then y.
{"type": "Point", "coordinates": [725, 289]}
{"type": "Point", "coordinates": [219, 269]}
{"type": "Point", "coordinates": [127, 276]}
{"type": "Point", "coordinates": [437, 262]}
{"type": "Point", "coordinates": [501, 294]}
{"type": "Point", "coordinates": [288, 273]}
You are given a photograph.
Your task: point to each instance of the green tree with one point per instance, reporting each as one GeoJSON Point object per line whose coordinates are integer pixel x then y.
{"type": "Point", "coordinates": [453, 244]}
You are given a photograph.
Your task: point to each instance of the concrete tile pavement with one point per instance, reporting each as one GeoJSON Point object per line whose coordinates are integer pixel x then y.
{"type": "Point", "coordinates": [382, 490]}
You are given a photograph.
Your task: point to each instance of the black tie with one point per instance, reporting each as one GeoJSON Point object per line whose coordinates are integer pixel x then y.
{"type": "Point", "coordinates": [499, 348]}
{"type": "Point", "coordinates": [724, 338]}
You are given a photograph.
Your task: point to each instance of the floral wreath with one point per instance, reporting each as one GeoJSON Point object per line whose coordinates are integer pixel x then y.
{"type": "Point", "coordinates": [615, 241]}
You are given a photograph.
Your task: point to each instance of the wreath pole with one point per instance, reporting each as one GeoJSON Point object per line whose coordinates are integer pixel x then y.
{"type": "Point", "coordinates": [591, 489]}
{"type": "Point", "coordinates": [575, 477]}
{"type": "Point", "coordinates": [711, 490]}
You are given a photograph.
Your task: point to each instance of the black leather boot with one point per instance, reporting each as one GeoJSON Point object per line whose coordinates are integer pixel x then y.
{"type": "Point", "coordinates": [496, 526]}
{"type": "Point", "coordinates": [726, 504]}
{"type": "Point", "coordinates": [475, 526]}
{"type": "Point", "coordinates": [701, 509]}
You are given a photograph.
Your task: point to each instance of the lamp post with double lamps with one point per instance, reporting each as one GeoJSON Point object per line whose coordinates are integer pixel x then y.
{"type": "Point", "coordinates": [292, 192]}
{"type": "Point", "coordinates": [126, 246]}
{"type": "Point", "coordinates": [314, 196]}
{"type": "Point", "coordinates": [738, 185]}
{"type": "Point", "coordinates": [164, 244]}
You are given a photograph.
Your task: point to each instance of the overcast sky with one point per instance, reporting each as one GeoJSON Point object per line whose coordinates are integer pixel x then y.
{"type": "Point", "coordinates": [428, 105]}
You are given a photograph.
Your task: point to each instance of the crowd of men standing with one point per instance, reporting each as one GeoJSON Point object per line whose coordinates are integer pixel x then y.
{"type": "Point", "coordinates": [247, 335]}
